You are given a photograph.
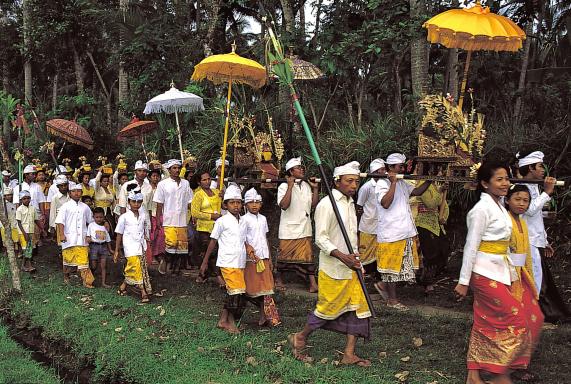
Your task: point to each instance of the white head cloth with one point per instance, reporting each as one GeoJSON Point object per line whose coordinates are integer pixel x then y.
{"type": "Point", "coordinates": [75, 186]}
{"type": "Point", "coordinates": [292, 163]}
{"type": "Point", "coordinates": [29, 169]}
{"type": "Point", "coordinates": [8, 191]}
{"type": "Point", "coordinates": [135, 195]}
{"type": "Point", "coordinates": [23, 194]}
{"type": "Point", "coordinates": [351, 168]}
{"type": "Point", "coordinates": [219, 163]}
{"type": "Point", "coordinates": [376, 165]}
{"type": "Point", "coordinates": [6, 173]}
{"type": "Point", "coordinates": [233, 193]}
{"type": "Point", "coordinates": [140, 165]}
{"type": "Point", "coordinates": [396, 158]}
{"type": "Point", "coordinates": [61, 179]}
{"type": "Point", "coordinates": [60, 170]}
{"type": "Point", "coordinates": [532, 158]}
{"type": "Point", "coordinates": [252, 195]}
{"type": "Point", "coordinates": [172, 162]}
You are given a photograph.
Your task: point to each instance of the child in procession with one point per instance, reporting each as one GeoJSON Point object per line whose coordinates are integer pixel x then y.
{"type": "Point", "coordinates": [11, 210]}
{"type": "Point", "coordinates": [99, 244]}
{"type": "Point", "coordinates": [132, 235]}
{"type": "Point", "coordinates": [230, 233]}
{"type": "Point", "coordinates": [258, 272]}
{"type": "Point", "coordinates": [27, 219]}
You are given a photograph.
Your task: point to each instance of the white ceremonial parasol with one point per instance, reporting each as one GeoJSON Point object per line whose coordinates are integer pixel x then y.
{"type": "Point", "coordinates": [175, 101]}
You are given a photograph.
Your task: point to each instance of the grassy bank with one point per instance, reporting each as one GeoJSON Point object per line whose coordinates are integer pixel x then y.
{"type": "Point", "coordinates": [174, 339]}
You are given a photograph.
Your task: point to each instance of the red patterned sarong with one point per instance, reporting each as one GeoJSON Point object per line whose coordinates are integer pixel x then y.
{"type": "Point", "coordinates": [505, 330]}
{"type": "Point", "coordinates": [157, 238]}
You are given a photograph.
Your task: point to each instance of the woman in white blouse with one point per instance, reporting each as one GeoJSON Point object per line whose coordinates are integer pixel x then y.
{"type": "Point", "coordinates": [499, 337]}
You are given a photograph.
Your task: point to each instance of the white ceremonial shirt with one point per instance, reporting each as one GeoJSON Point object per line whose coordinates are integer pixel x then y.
{"type": "Point", "coordinates": [256, 230]}
{"type": "Point", "coordinates": [367, 199]}
{"type": "Point", "coordinates": [295, 222]}
{"type": "Point", "coordinates": [135, 231]}
{"type": "Point", "coordinates": [36, 194]}
{"type": "Point", "coordinates": [534, 216]}
{"type": "Point", "coordinates": [328, 235]}
{"type": "Point", "coordinates": [396, 222]}
{"type": "Point", "coordinates": [52, 192]}
{"type": "Point", "coordinates": [27, 217]}
{"type": "Point", "coordinates": [175, 198]}
{"type": "Point", "coordinates": [231, 236]}
{"type": "Point", "coordinates": [11, 184]}
{"type": "Point", "coordinates": [75, 217]}
{"type": "Point", "coordinates": [145, 189]}
{"type": "Point", "coordinates": [58, 200]}
{"type": "Point", "coordinates": [487, 221]}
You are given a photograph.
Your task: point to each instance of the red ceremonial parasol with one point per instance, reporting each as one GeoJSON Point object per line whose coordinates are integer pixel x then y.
{"type": "Point", "coordinates": [136, 129]}
{"type": "Point", "coordinates": [70, 131]}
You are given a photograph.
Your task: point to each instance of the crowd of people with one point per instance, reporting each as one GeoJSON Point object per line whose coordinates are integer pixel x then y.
{"type": "Point", "coordinates": [180, 219]}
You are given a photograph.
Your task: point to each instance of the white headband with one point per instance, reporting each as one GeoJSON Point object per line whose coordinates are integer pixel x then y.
{"type": "Point", "coordinates": [292, 163]}
{"type": "Point", "coordinates": [532, 158]}
{"type": "Point", "coordinates": [219, 163]}
{"type": "Point", "coordinates": [233, 193]}
{"type": "Point", "coordinates": [376, 165]}
{"type": "Point", "coordinates": [396, 158]}
{"type": "Point", "coordinates": [351, 168]}
{"type": "Point", "coordinates": [172, 162]}
{"type": "Point", "coordinates": [252, 195]}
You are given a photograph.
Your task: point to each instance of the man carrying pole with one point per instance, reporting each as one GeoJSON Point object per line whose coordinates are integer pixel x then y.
{"type": "Point", "coordinates": [341, 304]}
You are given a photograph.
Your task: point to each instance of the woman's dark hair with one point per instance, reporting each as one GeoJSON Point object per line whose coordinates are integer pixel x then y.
{"type": "Point", "coordinates": [104, 176]}
{"type": "Point", "coordinates": [122, 174]}
{"type": "Point", "coordinates": [517, 188]}
{"type": "Point", "coordinates": [197, 177]}
{"type": "Point", "coordinates": [82, 174]}
{"type": "Point", "coordinates": [487, 170]}
{"type": "Point", "coordinates": [157, 171]}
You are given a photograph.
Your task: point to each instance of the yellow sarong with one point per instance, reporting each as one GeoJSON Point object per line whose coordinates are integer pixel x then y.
{"type": "Point", "coordinates": [15, 235]}
{"type": "Point", "coordinates": [336, 297]}
{"type": "Point", "coordinates": [390, 256]}
{"type": "Point", "coordinates": [133, 271]}
{"type": "Point", "coordinates": [367, 248]}
{"type": "Point", "coordinates": [76, 257]}
{"type": "Point", "coordinates": [176, 240]}
{"type": "Point", "coordinates": [296, 251]}
{"type": "Point", "coordinates": [234, 278]}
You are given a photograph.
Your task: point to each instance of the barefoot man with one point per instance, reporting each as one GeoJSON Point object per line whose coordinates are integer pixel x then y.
{"type": "Point", "coordinates": [341, 304]}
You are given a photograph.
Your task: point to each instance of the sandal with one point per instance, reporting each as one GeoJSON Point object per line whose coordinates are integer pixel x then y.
{"type": "Point", "coordinates": [398, 306]}
{"type": "Point", "coordinates": [298, 351]}
{"type": "Point", "coordinates": [363, 363]}
{"type": "Point", "coordinates": [122, 292]}
{"type": "Point", "coordinates": [145, 299]}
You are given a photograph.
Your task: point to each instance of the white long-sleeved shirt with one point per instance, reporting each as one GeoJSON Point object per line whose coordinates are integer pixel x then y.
{"type": "Point", "coordinates": [396, 222]}
{"type": "Point", "coordinates": [256, 230]}
{"type": "Point", "coordinates": [57, 201]}
{"type": "Point", "coordinates": [295, 221]}
{"type": "Point", "coordinates": [36, 194]}
{"type": "Point", "coordinates": [231, 236]}
{"type": "Point", "coordinates": [123, 193]}
{"type": "Point", "coordinates": [135, 231]}
{"type": "Point", "coordinates": [75, 217]}
{"type": "Point", "coordinates": [487, 221]}
{"type": "Point", "coordinates": [328, 235]}
{"type": "Point", "coordinates": [175, 198]}
{"type": "Point", "coordinates": [534, 217]}
{"type": "Point", "coordinates": [368, 200]}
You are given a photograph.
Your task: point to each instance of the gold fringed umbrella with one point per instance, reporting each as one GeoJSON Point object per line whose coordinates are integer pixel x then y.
{"type": "Point", "coordinates": [137, 129]}
{"type": "Point", "coordinates": [230, 68]}
{"type": "Point", "coordinates": [70, 131]}
{"type": "Point", "coordinates": [474, 29]}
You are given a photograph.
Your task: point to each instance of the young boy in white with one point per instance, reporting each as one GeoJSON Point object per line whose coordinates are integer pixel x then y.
{"type": "Point", "coordinates": [258, 272]}
{"type": "Point", "coordinates": [71, 224]}
{"type": "Point", "coordinates": [230, 233]}
{"type": "Point", "coordinates": [27, 218]}
{"type": "Point", "coordinates": [99, 244]}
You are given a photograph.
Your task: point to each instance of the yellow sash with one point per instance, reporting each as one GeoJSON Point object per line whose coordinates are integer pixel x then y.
{"type": "Point", "coordinates": [497, 247]}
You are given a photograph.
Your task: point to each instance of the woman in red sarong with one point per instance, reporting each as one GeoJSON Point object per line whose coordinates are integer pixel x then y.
{"type": "Point", "coordinates": [501, 339]}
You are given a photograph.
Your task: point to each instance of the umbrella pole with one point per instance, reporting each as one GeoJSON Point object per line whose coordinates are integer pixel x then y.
{"type": "Point", "coordinates": [179, 135]}
{"type": "Point", "coordinates": [226, 124]}
{"type": "Point", "coordinates": [144, 150]}
{"type": "Point", "coordinates": [61, 150]}
{"type": "Point", "coordinates": [464, 80]}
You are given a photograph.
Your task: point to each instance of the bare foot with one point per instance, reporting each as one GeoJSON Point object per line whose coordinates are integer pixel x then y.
{"type": "Point", "coordinates": [297, 347]}
{"type": "Point", "coordinates": [355, 360]}
{"type": "Point", "coordinates": [474, 377]}
{"type": "Point", "coordinates": [313, 289]}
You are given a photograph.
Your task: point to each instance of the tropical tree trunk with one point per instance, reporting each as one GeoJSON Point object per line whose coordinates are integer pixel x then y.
{"type": "Point", "coordinates": [212, 10]}
{"type": "Point", "coordinates": [524, 64]}
{"type": "Point", "coordinates": [302, 21]}
{"type": "Point", "coordinates": [54, 92]}
{"type": "Point", "coordinates": [419, 53]}
{"type": "Point", "coordinates": [15, 271]}
{"type": "Point", "coordinates": [122, 75]}
{"type": "Point", "coordinates": [397, 84]}
{"type": "Point", "coordinates": [6, 131]}
{"type": "Point", "coordinates": [288, 16]}
{"type": "Point", "coordinates": [78, 69]}
{"type": "Point", "coordinates": [451, 75]}
{"type": "Point", "coordinates": [316, 28]}
{"type": "Point", "coordinates": [26, 52]}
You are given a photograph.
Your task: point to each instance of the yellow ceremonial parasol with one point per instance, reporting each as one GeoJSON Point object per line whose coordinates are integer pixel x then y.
{"type": "Point", "coordinates": [474, 29]}
{"type": "Point", "coordinates": [230, 68]}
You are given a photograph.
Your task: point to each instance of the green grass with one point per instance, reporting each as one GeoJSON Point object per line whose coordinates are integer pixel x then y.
{"type": "Point", "coordinates": [17, 366]}
{"type": "Point", "coordinates": [174, 339]}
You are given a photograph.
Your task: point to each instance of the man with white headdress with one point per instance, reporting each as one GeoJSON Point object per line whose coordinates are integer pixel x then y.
{"type": "Point", "coordinates": [215, 181]}
{"type": "Point", "coordinates": [397, 256]}
{"type": "Point", "coordinates": [173, 197]}
{"type": "Point", "coordinates": [71, 223]}
{"type": "Point", "coordinates": [140, 180]}
{"type": "Point", "coordinates": [62, 197]}
{"type": "Point", "coordinates": [341, 304]}
{"type": "Point", "coordinates": [367, 205]}
{"type": "Point", "coordinates": [54, 190]}
{"type": "Point", "coordinates": [530, 165]}
{"type": "Point", "coordinates": [7, 182]}
{"type": "Point", "coordinates": [38, 198]}
{"type": "Point", "coordinates": [296, 200]}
